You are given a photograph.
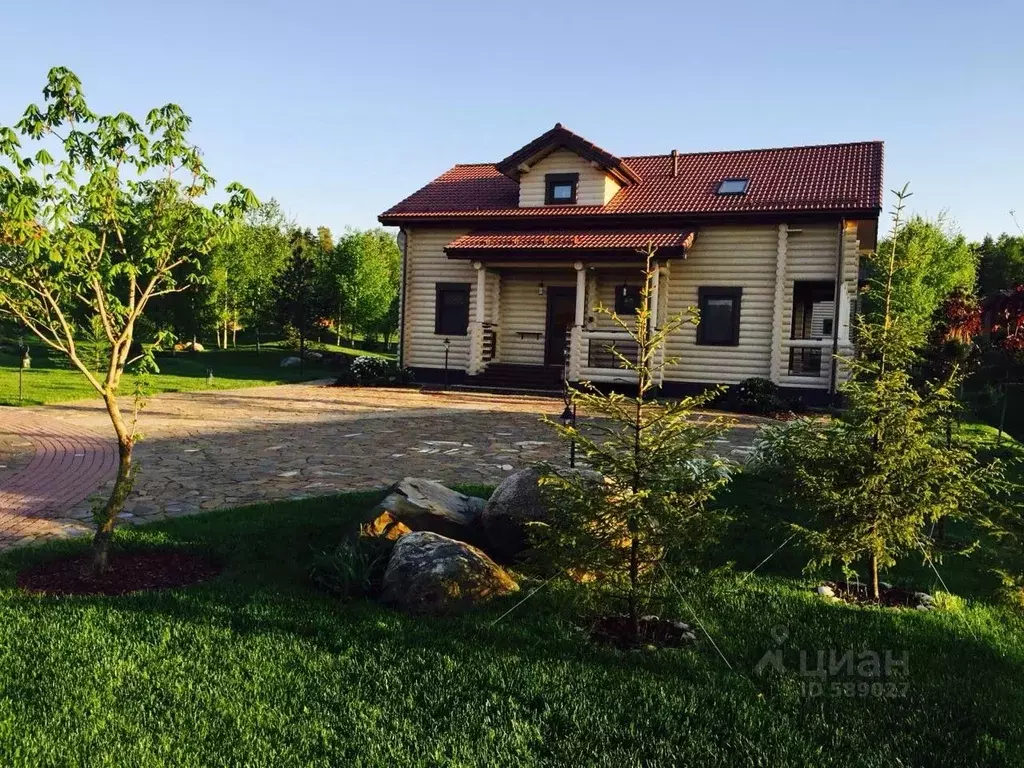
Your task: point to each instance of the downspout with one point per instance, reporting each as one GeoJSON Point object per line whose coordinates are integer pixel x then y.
{"type": "Point", "coordinates": [403, 244]}
{"type": "Point", "coordinates": [836, 313]}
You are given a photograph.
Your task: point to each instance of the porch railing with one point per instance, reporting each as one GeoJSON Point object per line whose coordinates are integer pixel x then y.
{"type": "Point", "coordinates": [601, 362]}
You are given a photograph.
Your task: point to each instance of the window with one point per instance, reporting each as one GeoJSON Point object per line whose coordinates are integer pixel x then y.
{"type": "Point", "coordinates": [560, 188]}
{"type": "Point", "coordinates": [627, 299]}
{"type": "Point", "coordinates": [451, 309]}
{"type": "Point", "coordinates": [719, 316]}
{"type": "Point", "coordinates": [733, 186]}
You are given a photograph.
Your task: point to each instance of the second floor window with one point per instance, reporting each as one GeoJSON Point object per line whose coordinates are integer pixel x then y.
{"type": "Point", "coordinates": [451, 309]}
{"type": "Point", "coordinates": [560, 188]}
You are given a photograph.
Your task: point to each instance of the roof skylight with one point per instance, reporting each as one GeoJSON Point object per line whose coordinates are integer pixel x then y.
{"type": "Point", "coordinates": [733, 186]}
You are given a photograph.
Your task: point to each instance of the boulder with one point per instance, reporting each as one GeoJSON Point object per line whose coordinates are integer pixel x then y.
{"type": "Point", "coordinates": [514, 504]}
{"type": "Point", "coordinates": [430, 573]}
{"type": "Point", "coordinates": [290, 362]}
{"type": "Point", "coordinates": [417, 504]}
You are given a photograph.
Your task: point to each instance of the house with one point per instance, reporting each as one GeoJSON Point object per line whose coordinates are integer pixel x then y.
{"type": "Point", "coordinates": [505, 262]}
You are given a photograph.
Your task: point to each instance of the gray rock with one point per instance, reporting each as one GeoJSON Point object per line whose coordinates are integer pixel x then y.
{"type": "Point", "coordinates": [291, 362]}
{"type": "Point", "coordinates": [826, 591]}
{"type": "Point", "coordinates": [430, 573]}
{"type": "Point", "coordinates": [514, 504]}
{"type": "Point", "coordinates": [923, 597]}
{"type": "Point", "coordinates": [417, 504]}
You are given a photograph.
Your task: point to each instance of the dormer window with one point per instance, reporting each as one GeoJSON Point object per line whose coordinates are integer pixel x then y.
{"type": "Point", "coordinates": [733, 186]}
{"type": "Point", "coordinates": [560, 188]}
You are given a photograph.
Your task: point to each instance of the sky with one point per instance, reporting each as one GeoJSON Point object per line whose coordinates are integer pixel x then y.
{"type": "Point", "coordinates": [340, 109]}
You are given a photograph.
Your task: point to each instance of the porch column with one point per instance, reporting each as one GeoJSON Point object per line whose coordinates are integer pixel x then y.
{"type": "Point", "coordinates": [779, 306]}
{"type": "Point", "coordinates": [576, 334]}
{"type": "Point", "coordinates": [476, 326]}
{"type": "Point", "coordinates": [655, 285]}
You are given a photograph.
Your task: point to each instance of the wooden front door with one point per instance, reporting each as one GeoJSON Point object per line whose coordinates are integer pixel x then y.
{"type": "Point", "coordinates": [561, 315]}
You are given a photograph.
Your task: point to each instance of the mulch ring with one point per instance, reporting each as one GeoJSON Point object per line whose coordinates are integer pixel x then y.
{"type": "Point", "coordinates": [617, 630]}
{"type": "Point", "coordinates": [860, 594]}
{"type": "Point", "coordinates": [126, 572]}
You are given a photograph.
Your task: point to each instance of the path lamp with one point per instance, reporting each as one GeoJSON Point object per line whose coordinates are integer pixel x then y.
{"type": "Point", "coordinates": [26, 363]}
{"type": "Point", "coordinates": [568, 419]}
{"type": "Point", "coordinates": [447, 346]}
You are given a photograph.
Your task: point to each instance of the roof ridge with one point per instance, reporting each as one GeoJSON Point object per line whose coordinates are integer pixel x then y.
{"type": "Point", "coordinates": [760, 149]}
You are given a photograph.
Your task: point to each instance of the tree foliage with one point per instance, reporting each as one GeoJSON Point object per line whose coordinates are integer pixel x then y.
{"type": "Point", "coordinates": [874, 476]}
{"type": "Point", "coordinates": [1000, 264]}
{"type": "Point", "coordinates": [658, 468]}
{"type": "Point", "coordinates": [104, 217]}
{"type": "Point", "coordinates": [932, 260]}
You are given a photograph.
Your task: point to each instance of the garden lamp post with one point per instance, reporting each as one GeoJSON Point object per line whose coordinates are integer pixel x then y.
{"type": "Point", "coordinates": [568, 419]}
{"type": "Point", "coordinates": [447, 346]}
{"type": "Point", "coordinates": [26, 362]}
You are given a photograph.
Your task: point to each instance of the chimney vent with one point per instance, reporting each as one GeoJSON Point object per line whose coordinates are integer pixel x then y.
{"type": "Point", "coordinates": [675, 163]}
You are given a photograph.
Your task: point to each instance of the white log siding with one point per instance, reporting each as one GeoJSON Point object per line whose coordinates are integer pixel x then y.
{"type": "Point", "coordinates": [742, 257]}
{"type": "Point", "coordinates": [428, 265]}
{"type": "Point", "coordinates": [811, 252]}
{"type": "Point", "coordinates": [739, 256]}
{"type": "Point", "coordinates": [524, 313]}
{"type": "Point", "coordinates": [595, 186]}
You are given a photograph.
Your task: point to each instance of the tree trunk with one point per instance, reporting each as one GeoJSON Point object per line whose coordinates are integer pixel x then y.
{"type": "Point", "coordinates": [874, 576]}
{"type": "Point", "coordinates": [106, 518]}
{"type": "Point", "coordinates": [634, 578]}
{"type": "Point", "coordinates": [257, 329]}
{"type": "Point", "coordinates": [1002, 415]}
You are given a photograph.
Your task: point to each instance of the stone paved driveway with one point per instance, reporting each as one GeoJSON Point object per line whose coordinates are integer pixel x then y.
{"type": "Point", "coordinates": [204, 451]}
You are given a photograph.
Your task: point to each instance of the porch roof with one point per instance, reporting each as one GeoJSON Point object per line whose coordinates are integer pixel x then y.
{"type": "Point", "coordinates": [555, 244]}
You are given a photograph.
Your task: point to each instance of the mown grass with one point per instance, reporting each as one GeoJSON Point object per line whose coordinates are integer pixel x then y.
{"type": "Point", "coordinates": [52, 378]}
{"type": "Point", "coordinates": [258, 668]}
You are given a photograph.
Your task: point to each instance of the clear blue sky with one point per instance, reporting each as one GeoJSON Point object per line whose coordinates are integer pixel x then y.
{"type": "Point", "coordinates": [339, 109]}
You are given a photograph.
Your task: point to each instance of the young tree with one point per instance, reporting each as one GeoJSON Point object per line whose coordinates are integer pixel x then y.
{"type": "Point", "coordinates": [660, 474]}
{"type": "Point", "coordinates": [112, 222]}
{"type": "Point", "coordinates": [875, 475]}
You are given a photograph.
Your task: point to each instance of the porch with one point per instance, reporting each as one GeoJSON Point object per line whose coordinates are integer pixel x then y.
{"type": "Point", "coordinates": [536, 327]}
{"type": "Point", "coordinates": [536, 297]}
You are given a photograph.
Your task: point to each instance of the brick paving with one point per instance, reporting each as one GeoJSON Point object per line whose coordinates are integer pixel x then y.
{"type": "Point", "coordinates": [209, 450]}
{"type": "Point", "coordinates": [46, 467]}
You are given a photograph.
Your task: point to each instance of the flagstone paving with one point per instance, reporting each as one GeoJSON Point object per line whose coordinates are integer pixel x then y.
{"type": "Point", "coordinates": [209, 450]}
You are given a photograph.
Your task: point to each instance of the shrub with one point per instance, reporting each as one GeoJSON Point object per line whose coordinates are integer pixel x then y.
{"type": "Point", "coordinates": [757, 396]}
{"type": "Point", "coordinates": [373, 372]}
{"type": "Point", "coordinates": [354, 569]}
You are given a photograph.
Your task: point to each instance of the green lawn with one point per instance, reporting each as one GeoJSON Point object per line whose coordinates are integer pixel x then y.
{"type": "Point", "coordinates": [257, 668]}
{"type": "Point", "coordinates": [52, 379]}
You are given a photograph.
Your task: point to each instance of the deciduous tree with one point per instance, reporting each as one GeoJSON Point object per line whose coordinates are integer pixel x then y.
{"type": "Point", "coordinates": [104, 217]}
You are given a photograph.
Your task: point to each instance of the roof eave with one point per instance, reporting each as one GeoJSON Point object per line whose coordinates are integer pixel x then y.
{"type": "Point", "coordinates": [475, 217]}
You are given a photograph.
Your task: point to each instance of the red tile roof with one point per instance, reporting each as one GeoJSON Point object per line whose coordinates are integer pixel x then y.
{"type": "Point", "coordinates": [569, 240]}
{"type": "Point", "coordinates": [844, 178]}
